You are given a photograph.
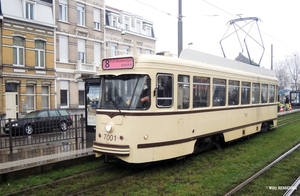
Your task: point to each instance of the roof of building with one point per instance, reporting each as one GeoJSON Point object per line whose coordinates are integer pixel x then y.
{"type": "Point", "coordinates": [244, 59]}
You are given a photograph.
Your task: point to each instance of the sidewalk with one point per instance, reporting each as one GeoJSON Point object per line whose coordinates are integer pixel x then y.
{"type": "Point", "coordinates": [27, 163]}
{"type": "Point", "coordinates": [43, 160]}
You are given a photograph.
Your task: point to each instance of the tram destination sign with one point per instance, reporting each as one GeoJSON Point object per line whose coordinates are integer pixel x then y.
{"type": "Point", "coordinates": [117, 63]}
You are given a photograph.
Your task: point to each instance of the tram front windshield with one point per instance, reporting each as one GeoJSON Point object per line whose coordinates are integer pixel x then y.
{"type": "Point", "coordinates": [124, 92]}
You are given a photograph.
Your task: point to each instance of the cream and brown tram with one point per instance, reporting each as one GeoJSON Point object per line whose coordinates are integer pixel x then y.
{"type": "Point", "coordinates": [155, 107]}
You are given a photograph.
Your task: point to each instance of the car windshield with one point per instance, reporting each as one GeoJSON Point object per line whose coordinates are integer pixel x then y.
{"type": "Point", "coordinates": [124, 92]}
{"type": "Point", "coordinates": [30, 115]}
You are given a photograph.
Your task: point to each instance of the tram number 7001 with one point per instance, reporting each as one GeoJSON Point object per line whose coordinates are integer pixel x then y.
{"type": "Point", "coordinates": [110, 137]}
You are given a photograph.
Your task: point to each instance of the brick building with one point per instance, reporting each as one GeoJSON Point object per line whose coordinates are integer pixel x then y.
{"type": "Point", "coordinates": [27, 62]}
{"type": "Point", "coordinates": [49, 47]}
{"type": "Point", "coordinates": [79, 43]}
{"type": "Point", "coordinates": [88, 31]}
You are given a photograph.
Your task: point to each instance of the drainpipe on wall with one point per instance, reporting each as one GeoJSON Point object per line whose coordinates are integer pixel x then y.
{"type": "Point", "coordinates": [55, 75]}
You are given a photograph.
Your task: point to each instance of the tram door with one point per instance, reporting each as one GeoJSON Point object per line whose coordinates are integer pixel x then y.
{"type": "Point", "coordinates": [92, 89]}
{"type": "Point", "coordinates": [12, 107]}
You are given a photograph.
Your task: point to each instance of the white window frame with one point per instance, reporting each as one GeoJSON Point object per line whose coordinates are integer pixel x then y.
{"type": "Point", "coordinates": [97, 19]}
{"type": "Point", "coordinates": [148, 31]}
{"type": "Point", "coordinates": [138, 26]}
{"type": "Point", "coordinates": [19, 53]}
{"type": "Point", "coordinates": [127, 24]}
{"type": "Point", "coordinates": [113, 49]}
{"type": "Point", "coordinates": [63, 49]}
{"type": "Point", "coordinates": [81, 89]}
{"type": "Point", "coordinates": [81, 50]}
{"type": "Point", "coordinates": [126, 49]}
{"type": "Point", "coordinates": [114, 21]}
{"type": "Point", "coordinates": [28, 96]}
{"type": "Point", "coordinates": [81, 57]}
{"type": "Point", "coordinates": [29, 10]}
{"type": "Point", "coordinates": [45, 97]}
{"type": "Point", "coordinates": [64, 86]}
{"type": "Point", "coordinates": [97, 53]}
{"type": "Point", "coordinates": [80, 15]}
{"type": "Point", "coordinates": [63, 10]}
{"type": "Point", "coordinates": [40, 55]}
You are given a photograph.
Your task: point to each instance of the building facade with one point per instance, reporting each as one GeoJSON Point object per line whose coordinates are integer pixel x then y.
{"type": "Point", "coordinates": [48, 49]}
{"type": "Point", "coordinates": [88, 31]}
{"type": "Point", "coordinates": [79, 43]}
{"type": "Point", "coordinates": [127, 33]}
{"type": "Point", "coordinates": [27, 56]}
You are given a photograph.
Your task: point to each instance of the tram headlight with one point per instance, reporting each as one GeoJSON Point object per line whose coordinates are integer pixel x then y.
{"type": "Point", "coordinates": [108, 127]}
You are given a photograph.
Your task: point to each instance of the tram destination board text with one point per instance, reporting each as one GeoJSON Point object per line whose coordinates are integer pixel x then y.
{"type": "Point", "coordinates": [117, 63]}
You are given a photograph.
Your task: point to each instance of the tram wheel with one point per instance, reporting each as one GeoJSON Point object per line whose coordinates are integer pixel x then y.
{"type": "Point", "coordinates": [265, 127]}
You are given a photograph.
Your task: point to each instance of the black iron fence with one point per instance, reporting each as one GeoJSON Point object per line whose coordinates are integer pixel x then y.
{"type": "Point", "coordinates": [18, 133]}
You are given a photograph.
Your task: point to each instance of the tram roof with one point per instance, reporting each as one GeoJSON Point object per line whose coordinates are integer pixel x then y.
{"type": "Point", "coordinates": [198, 56]}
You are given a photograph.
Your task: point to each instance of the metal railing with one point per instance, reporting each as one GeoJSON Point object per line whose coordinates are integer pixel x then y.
{"type": "Point", "coordinates": [45, 131]}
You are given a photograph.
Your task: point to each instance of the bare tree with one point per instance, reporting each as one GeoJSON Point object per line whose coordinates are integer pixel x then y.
{"type": "Point", "coordinates": [288, 70]}
{"type": "Point", "coordinates": [281, 73]}
{"type": "Point", "coordinates": [293, 65]}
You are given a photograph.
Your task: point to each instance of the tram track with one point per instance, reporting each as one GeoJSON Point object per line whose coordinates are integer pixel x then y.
{"type": "Point", "coordinates": [290, 191]}
{"type": "Point", "coordinates": [95, 186]}
{"type": "Point", "coordinates": [55, 182]}
{"type": "Point", "coordinates": [247, 181]}
{"type": "Point", "coordinates": [83, 177]}
{"type": "Point", "coordinates": [288, 118]}
{"type": "Point", "coordinates": [284, 120]}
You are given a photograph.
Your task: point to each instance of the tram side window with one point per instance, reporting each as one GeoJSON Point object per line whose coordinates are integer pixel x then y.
{"type": "Point", "coordinates": [271, 94]}
{"type": "Point", "coordinates": [233, 92]}
{"type": "Point", "coordinates": [264, 93]}
{"type": "Point", "coordinates": [164, 87]}
{"type": "Point", "coordinates": [276, 94]}
{"type": "Point", "coordinates": [201, 91]}
{"type": "Point", "coordinates": [245, 93]}
{"type": "Point", "coordinates": [255, 92]}
{"type": "Point", "coordinates": [219, 92]}
{"type": "Point", "coordinates": [183, 99]}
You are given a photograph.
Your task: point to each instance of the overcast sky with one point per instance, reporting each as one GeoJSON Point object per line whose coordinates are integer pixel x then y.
{"type": "Point", "coordinates": [205, 23]}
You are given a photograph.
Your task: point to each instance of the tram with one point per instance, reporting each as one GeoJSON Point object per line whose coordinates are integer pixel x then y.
{"type": "Point", "coordinates": [154, 107]}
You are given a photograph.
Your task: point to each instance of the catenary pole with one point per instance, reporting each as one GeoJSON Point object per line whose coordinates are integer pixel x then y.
{"type": "Point", "coordinates": [271, 56]}
{"type": "Point", "coordinates": [179, 27]}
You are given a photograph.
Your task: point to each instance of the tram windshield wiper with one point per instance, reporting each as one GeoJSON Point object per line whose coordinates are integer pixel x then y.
{"type": "Point", "coordinates": [115, 104]}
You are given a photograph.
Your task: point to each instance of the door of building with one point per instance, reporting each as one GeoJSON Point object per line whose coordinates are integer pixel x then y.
{"type": "Point", "coordinates": [12, 107]}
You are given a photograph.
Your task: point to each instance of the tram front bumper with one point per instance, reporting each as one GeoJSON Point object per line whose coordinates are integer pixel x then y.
{"type": "Point", "coordinates": [111, 149]}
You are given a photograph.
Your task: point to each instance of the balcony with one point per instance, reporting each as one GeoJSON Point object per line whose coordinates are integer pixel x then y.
{"type": "Point", "coordinates": [83, 69]}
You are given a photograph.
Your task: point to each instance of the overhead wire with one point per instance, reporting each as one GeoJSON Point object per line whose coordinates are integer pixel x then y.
{"type": "Point", "coordinates": [169, 14]}
{"type": "Point", "coordinates": [156, 9]}
{"type": "Point", "coordinates": [239, 16]}
{"type": "Point", "coordinates": [219, 8]}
